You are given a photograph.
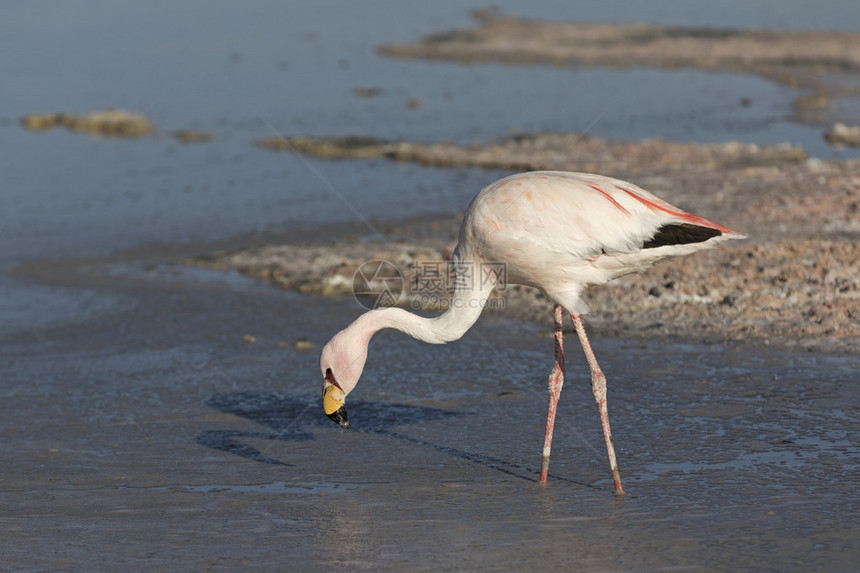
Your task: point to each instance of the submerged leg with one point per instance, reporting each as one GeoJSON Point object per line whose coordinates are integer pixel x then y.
{"type": "Point", "coordinates": [598, 386]}
{"type": "Point", "coordinates": [556, 380]}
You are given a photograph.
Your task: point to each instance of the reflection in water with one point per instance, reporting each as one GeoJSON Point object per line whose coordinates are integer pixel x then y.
{"type": "Point", "coordinates": [751, 458]}
{"type": "Point", "coordinates": [290, 416]}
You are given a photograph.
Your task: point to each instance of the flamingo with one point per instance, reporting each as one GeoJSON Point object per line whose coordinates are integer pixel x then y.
{"type": "Point", "coordinates": [553, 230]}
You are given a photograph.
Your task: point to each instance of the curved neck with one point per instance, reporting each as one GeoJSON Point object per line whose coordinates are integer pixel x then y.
{"type": "Point", "coordinates": [465, 307]}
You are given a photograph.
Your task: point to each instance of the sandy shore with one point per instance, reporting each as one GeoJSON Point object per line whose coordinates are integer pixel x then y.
{"type": "Point", "coordinates": [795, 281]}
{"type": "Point", "coordinates": [825, 62]}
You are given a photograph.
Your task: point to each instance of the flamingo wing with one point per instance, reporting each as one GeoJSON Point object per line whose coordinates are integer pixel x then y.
{"type": "Point", "coordinates": [561, 231]}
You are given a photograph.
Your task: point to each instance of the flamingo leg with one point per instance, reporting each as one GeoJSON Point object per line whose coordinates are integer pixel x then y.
{"type": "Point", "coordinates": [556, 380]}
{"type": "Point", "coordinates": [598, 386]}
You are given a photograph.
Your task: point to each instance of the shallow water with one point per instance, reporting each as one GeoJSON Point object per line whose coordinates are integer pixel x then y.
{"type": "Point", "coordinates": [150, 435]}
{"type": "Point", "coordinates": [140, 431]}
{"type": "Point", "coordinates": [292, 69]}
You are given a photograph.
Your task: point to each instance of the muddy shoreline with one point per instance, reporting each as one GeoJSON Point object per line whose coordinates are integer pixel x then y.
{"type": "Point", "coordinates": [794, 282]}
{"type": "Point", "coordinates": [824, 62]}
{"type": "Point", "coordinates": [159, 416]}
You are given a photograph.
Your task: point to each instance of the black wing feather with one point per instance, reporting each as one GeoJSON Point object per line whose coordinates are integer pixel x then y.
{"type": "Point", "coordinates": [680, 234]}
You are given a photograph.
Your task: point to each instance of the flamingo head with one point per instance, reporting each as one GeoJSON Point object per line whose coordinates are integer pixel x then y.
{"type": "Point", "coordinates": [341, 363]}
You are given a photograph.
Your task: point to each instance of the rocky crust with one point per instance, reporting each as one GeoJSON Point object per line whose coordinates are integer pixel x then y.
{"type": "Point", "coordinates": [561, 151]}
{"type": "Point", "coordinates": [795, 281]}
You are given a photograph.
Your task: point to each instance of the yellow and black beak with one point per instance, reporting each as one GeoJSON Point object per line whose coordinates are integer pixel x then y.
{"type": "Point", "coordinates": [333, 404]}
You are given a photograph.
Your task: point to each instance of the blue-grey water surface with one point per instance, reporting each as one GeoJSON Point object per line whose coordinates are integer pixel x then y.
{"type": "Point", "coordinates": [140, 430]}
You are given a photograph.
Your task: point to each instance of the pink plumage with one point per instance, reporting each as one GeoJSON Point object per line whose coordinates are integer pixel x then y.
{"type": "Point", "coordinates": [561, 231]}
{"type": "Point", "coordinates": [553, 230]}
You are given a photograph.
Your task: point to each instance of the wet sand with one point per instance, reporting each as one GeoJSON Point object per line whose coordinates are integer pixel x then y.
{"type": "Point", "coordinates": [165, 439]}
{"type": "Point", "coordinates": [161, 416]}
{"type": "Point", "coordinates": [825, 62]}
{"type": "Point", "coordinates": [177, 424]}
{"type": "Point", "coordinates": [795, 281]}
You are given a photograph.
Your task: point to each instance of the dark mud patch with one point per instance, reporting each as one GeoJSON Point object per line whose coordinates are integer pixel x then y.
{"type": "Point", "coordinates": [193, 136]}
